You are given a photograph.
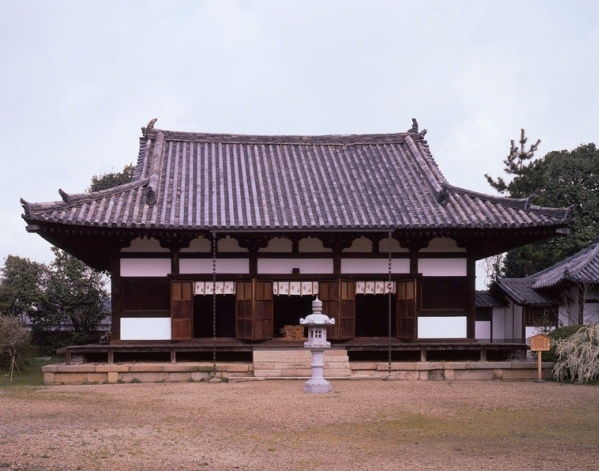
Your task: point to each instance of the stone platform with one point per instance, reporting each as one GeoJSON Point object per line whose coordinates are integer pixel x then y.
{"type": "Point", "coordinates": [291, 364]}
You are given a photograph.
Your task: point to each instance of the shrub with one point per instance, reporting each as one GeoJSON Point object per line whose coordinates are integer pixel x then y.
{"type": "Point", "coordinates": [14, 340]}
{"type": "Point", "coordinates": [556, 335]}
{"type": "Point", "coordinates": [578, 356]}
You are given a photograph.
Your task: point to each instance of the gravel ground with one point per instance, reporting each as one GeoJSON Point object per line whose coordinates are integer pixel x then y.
{"type": "Point", "coordinates": [273, 425]}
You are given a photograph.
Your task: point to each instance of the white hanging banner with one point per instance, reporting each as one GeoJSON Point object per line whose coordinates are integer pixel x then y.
{"type": "Point", "coordinates": [205, 288]}
{"type": "Point", "coordinates": [295, 288]}
{"type": "Point", "coordinates": [375, 287]}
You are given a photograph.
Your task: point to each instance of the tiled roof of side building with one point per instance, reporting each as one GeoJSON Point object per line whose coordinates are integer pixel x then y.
{"type": "Point", "coordinates": [236, 182]}
{"type": "Point", "coordinates": [582, 267]}
{"type": "Point", "coordinates": [486, 299]}
{"type": "Point", "coordinates": [521, 291]}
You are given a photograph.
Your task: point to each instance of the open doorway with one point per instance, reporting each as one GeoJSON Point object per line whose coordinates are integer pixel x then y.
{"type": "Point", "coordinates": [372, 315]}
{"type": "Point", "coordinates": [289, 309]}
{"type": "Point", "coordinates": [225, 316]}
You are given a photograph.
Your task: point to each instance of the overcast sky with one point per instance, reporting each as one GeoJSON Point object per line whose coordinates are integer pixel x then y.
{"type": "Point", "coordinates": [79, 78]}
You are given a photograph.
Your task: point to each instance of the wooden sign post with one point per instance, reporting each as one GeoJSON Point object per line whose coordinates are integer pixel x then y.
{"type": "Point", "coordinates": [540, 343]}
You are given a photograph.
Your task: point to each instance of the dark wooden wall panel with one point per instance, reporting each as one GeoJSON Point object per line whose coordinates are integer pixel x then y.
{"type": "Point", "coordinates": [145, 294]}
{"type": "Point", "coordinates": [444, 293]}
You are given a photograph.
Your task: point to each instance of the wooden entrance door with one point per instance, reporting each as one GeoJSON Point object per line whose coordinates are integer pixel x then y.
{"type": "Point", "coordinates": [339, 303]}
{"type": "Point", "coordinates": [407, 307]}
{"type": "Point", "coordinates": [181, 310]}
{"type": "Point", "coordinates": [254, 310]}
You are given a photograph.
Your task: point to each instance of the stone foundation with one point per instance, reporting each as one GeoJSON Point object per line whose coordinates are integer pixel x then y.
{"type": "Point", "coordinates": [90, 373]}
{"type": "Point", "coordinates": [452, 371]}
{"type": "Point", "coordinates": [292, 364]}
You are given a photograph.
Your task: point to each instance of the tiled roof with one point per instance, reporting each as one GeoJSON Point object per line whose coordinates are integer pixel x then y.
{"type": "Point", "coordinates": [235, 182]}
{"type": "Point", "coordinates": [521, 291]}
{"type": "Point", "coordinates": [582, 267]}
{"type": "Point", "coordinates": [486, 299]}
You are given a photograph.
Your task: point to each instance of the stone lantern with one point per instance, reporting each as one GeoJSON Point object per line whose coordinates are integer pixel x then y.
{"type": "Point", "coordinates": [317, 323]}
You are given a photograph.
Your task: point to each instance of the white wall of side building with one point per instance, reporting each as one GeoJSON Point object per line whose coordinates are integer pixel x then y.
{"type": "Point", "coordinates": [507, 322]}
{"type": "Point", "coordinates": [482, 330]}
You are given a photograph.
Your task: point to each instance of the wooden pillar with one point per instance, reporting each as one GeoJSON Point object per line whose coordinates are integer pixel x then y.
{"type": "Point", "coordinates": [115, 293]}
{"type": "Point", "coordinates": [414, 261]}
{"type": "Point", "coordinates": [174, 260]}
{"type": "Point", "coordinates": [253, 261]}
{"type": "Point", "coordinates": [470, 298]}
{"type": "Point", "coordinates": [337, 261]}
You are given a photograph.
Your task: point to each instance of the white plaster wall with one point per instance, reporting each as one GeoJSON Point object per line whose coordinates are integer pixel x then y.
{"type": "Point", "coordinates": [443, 244]}
{"type": "Point", "coordinates": [278, 244]}
{"type": "Point", "coordinates": [517, 323]}
{"type": "Point", "coordinates": [199, 244]}
{"type": "Point", "coordinates": [509, 325]}
{"type": "Point", "coordinates": [395, 247]}
{"type": "Point", "coordinates": [361, 244]}
{"type": "Point", "coordinates": [591, 307]}
{"type": "Point", "coordinates": [144, 245]}
{"type": "Point", "coordinates": [374, 265]}
{"type": "Point", "coordinates": [223, 265]}
{"type": "Point", "coordinates": [499, 323]}
{"type": "Point", "coordinates": [284, 266]}
{"type": "Point", "coordinates": [568, 315]}
{"type": "Point", "coordinates": [312, 245]}
{"type": "Point", "coordinates": [482, 330]}
{"type": "Point", "coordinates": [145, 266]}
{"type": "Point", "coordinates": [145, 328]}
{"type": "Point", "coordinates": [442, 327]}
{"type": "Point", "coordinates": [442, 266]}
{"type": "Point", "coordinates": [228, 244]}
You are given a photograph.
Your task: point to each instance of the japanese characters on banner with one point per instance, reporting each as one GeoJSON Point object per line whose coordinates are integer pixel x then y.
{"type": "Point", "coordinates": [292, 288]}
{"type": "Point", "coordinates": [375, 287]}
{"type": "Point", "coordinates": [295, 288]}
{"type": "Point", "coordinates": [205, 288]}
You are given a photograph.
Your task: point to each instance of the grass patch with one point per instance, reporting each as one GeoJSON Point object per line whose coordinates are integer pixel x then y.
{"type": "Point", "coordinates": [30, 373]}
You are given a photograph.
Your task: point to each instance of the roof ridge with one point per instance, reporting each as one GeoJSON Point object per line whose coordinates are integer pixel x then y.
{"type": "Point", "coordinates": [75, 198]}
{"type": "Point", "coordinates": [516, 203]}
{"type": "Point", "coordinates": [155, 167]}
{"type": "Point", "coordinates": [290, 139]}
{"type": "Point", "coordinates": [431, 177]}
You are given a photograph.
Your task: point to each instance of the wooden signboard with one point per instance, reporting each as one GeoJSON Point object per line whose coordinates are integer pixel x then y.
{"type": "Point", "coordinates": [540, 343]}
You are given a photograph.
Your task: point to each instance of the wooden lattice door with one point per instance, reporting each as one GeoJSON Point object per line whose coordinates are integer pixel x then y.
{"type": "Point", "coordinates": [254, 310]}
{"type": "Point", "coordinates": [338, 302]}
{"type": "Point", "coordinates": [407, 307]}
{"type": "Point", "coordinates": [181, 310]}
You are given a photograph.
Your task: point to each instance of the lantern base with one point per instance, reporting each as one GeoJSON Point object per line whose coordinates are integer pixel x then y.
{"type": "Point", "coordinates": [317, 386]}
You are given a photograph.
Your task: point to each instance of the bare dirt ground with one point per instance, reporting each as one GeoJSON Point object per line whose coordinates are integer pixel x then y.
{"type": "Point", "coordinates": [274, 425]}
